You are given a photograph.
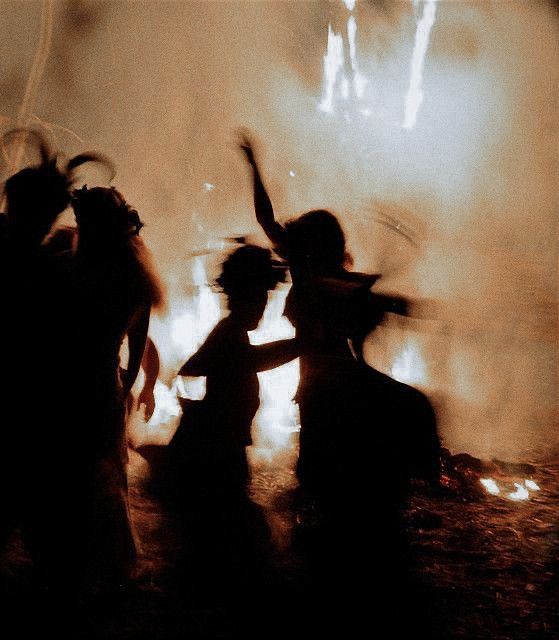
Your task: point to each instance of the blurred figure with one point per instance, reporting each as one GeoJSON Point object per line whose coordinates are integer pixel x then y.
{"type": "Point", "coordinates": [208, 452]}
{"type": "Point", "coordinates": [333, 310]}
{"type": "Point", "coordinates": [364, 436]}
{"type": "Point", "coordinates": [115, 287]}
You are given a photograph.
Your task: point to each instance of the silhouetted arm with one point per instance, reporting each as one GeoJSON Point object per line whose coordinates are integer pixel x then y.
{"type": "Point", "coordinates": [262, 203]}
{"type": "Point", "coordinates": [273, 354]}
{"type": "Point", "coordinates": [150, 365]}
{"type": "Point", "coordinates": [137, 336]}
{"type": "Point", "coordinates": [198, 365]}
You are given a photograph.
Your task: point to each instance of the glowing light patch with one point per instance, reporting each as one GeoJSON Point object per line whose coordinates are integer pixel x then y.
{"type": "Point", "coordinates": [521, 493]}
{"type": "Point", "coordinates": [350, 4]}
{"type": "Point", "coordinates": [530, 484]}
{"type": "Point", "coordinates": [208, 186]}
{"type": "Point", "coordinates": [333, 65]}
{"type": "Point", "coordinates": [292, 174]}
{"type": "Point", "coordinates": [409, 366]}
{"type": "Point", "coordinates": [167, 405]}
{"type": "Point", "coordinates": [490, 486]}
{"type": "Point", "coordinates": [414, 97]}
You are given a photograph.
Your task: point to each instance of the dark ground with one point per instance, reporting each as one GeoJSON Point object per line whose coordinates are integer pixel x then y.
{"type": "Point", "coordinates": [486, 568]}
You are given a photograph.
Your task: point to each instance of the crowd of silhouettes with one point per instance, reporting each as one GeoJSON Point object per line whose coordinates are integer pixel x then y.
{"type": "Point", "coordinates": [72, 296]}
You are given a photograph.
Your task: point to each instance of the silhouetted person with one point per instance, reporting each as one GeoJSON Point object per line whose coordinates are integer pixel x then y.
{"type": "Point", "coordinates": [208, 451]}
{"type": "Point", "coordinates": [34, 294]}
{"type": "Point", "coordinates": [114, 288]}
{"type": "Point", "coordinates": [329, 306]}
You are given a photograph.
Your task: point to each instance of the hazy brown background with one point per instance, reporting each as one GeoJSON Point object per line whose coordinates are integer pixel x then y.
{"type": "Point", "coordinates": [160, 86]}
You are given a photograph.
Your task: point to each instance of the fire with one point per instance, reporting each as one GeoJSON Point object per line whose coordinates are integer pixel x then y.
{"type": "Point", "coordinates": [277, 418]}
{"type": "Point", "coordinates": [414, 97]}
{"type": "Point", "coordinates": [521, 492]}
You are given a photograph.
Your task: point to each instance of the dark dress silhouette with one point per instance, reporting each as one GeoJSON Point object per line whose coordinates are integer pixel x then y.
{"type": "Point", "coordinates": [207, 461]}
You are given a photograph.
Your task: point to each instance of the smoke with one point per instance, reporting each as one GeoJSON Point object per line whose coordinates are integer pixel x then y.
{"type": "Point", "coordinates": [160, 87]}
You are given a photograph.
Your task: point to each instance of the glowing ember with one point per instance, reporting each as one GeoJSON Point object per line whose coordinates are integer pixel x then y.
{"type": "Point", "coordinates": [414, 96]}
{"type": "Point", "coordinates": [521, 493]}
{"type": "Point", "coordinates": [490, 486]}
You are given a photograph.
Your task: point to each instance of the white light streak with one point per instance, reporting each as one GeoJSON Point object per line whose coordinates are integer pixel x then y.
{"type": "Point", "coordinates": [359, 81]}
{"type": "Point", "coordinates": [414, 97]}
{"type": "Point", "coordinates": [333, 64]}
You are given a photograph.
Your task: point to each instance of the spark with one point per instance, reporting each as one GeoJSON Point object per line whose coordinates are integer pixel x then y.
{"type": "Point", "coordinates": [414, 97]}
{"type": "Point", "coordinates": [292, 173]}
{"type": "Point", "coordinates": [208, 186]}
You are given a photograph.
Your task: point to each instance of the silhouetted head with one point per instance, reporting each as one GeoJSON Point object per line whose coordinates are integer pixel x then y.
{"type": "Point", "coordinates": [38, 194]}
{"type": "Point", "coordinates": [317, 241]}
{"type": "Point", "coordinates": [109, 238]}
{"type": "Point", "coordinates": [104, 217]}
{"type": "Point", "coordinates": [246, 277]}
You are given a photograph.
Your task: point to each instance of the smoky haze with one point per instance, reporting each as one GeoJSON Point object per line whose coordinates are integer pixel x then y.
{"type": "Point", "coordinates": [161, 86]}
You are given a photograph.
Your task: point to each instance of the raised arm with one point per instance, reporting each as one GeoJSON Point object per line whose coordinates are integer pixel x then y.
{"type": "Point", "coordinates": [262, 203]}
